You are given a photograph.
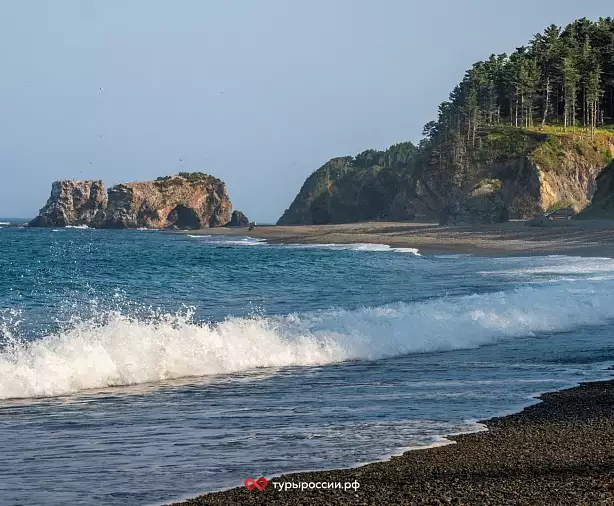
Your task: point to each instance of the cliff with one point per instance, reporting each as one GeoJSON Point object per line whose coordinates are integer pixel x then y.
{"type": "Point", "coordinates": [185, 201]}
{"type": "Point", "coordinates": [71, 203]}
{"type": "Point", "coordinates": [602, 205]}
{"type": "Point", "coordinates": [507, 173]}
{"type": "Point", "coordinates": [516, 173]}
{"type": "Point", "coordinates": [347, 189]}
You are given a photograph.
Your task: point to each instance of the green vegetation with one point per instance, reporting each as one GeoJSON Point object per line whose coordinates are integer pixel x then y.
{"type": "Point", "coordinates": [564, 77]}
{"type": "Point", "coordinates": [560, 204]}
{"type": "Point", "coordinates": [356, 188]}
{"type": "Point", "coordinates": [194, 176]}
{"type": "Point", "coordinates": [550, 153]}
{"type": "Point", "coordinates": [165, 182]}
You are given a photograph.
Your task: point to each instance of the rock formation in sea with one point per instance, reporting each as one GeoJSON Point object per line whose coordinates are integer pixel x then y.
{"type": "Point", "coordinates": [71, 203]}
{"type": "Point", "coordinates": [184, 201]}
{"type": "Point", "coordinates": [238, 219]}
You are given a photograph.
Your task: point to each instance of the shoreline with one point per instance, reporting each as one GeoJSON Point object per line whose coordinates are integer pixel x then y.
{"type": "Point", "coordinates": [558, 450]}
{"type": "Point", "coordinates": [594, 238]}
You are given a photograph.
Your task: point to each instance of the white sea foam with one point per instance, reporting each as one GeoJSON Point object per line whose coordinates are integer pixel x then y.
{"type": "Point", "coordinates": [122, 350]}
{"type": "Point", "coordinates": [357, 247]}
{"type": "Point", "coordinates": [244, 241]}
{"type": "Point", "coordinates": [77, 226]}
{"type": "Point", "coordinates": [253, 241]}
{"type": "Point", "coordinates": [225, 241]}
{"type": "Point", "coordinates": [562, 265]}
{"type": "Point", "coordinates": [5, 222]}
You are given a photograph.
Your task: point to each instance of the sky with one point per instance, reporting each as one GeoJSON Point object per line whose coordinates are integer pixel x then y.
{"type": "Point", "coordinates": [259, 93]}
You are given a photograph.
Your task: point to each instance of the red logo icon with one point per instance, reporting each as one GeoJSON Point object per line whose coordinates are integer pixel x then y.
{"type": "Point", "coordinates": [260, 483]}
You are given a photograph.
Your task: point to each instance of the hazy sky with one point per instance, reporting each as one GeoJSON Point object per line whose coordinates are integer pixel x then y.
{"type": "Point", "coordinates": [257, 92]}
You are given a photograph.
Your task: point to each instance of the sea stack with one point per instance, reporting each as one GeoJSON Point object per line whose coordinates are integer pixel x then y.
{"type": "Point", "coordinates": [188, 200]}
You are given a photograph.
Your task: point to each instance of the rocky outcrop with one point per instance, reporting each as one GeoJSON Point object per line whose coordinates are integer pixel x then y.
{"type": "Point", "coordinates": [510, 173]}
{"type": "Point", "coordinates": [602, 205]}
{"type": "Point", "coordinates": [483, 204]}
{"type": "Point", "coordinates": [185, 201]}
{"type": "Point", "coordinates": [372, 185]}
{"type": "Point", "coordinates": [71, 203]}
{"type": "Point", "coordinates": [238, 219]}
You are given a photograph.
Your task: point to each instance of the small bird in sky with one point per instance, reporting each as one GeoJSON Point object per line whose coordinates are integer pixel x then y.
{"type": "Point", "coordinates": [180, 160]}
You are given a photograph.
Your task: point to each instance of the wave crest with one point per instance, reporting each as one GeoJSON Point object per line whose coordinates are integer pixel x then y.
{"type": "Point", "coordinates": [123, 350]}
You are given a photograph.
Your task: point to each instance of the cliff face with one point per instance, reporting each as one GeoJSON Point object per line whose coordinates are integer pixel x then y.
{"type": "Point", "coordinates": [533, 172]}
{"type": "Point", "coordinates": [602, 205]}
{"type": "Point", "coordinates": [71, 203]}
{"type": "Point", "coordinates": [185, 201]}
{"type": "Point", "coordinates": [510, 173]}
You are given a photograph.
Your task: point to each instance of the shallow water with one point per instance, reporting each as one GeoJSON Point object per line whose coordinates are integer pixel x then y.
{"type": "Point", "coordinates": [139, 367]}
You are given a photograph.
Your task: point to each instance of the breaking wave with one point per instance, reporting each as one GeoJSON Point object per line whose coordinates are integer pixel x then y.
{"type": "Point", "coordinates": [116, 349]}
{"type": "Point", "coordinates": [121, 350]}
{"type": "Point", "coordinates": [225, 241]}
{"type": "Point", "coordinates": [357, 247]}
{"type": "Point", "coordinates": [252, 241]}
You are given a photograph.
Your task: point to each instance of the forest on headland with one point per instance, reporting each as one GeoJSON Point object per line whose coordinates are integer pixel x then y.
{"type": "Point", "coordinates": [563, 77]}
{"type": "Point", "coordinates": [561, 84]}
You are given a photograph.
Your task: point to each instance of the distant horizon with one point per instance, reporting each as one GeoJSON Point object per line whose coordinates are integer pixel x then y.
{"type": "Point", "coordinates": [258, 96]}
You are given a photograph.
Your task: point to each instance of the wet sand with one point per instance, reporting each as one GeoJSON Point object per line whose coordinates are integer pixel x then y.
{"type": "Point", "coordinates": [575, 237]}
{"type": "Point", "coordinates": [557, 452]}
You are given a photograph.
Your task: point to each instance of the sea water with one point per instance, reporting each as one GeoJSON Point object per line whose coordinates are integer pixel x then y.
{"type": "Point", "coordinates": [138, 367]}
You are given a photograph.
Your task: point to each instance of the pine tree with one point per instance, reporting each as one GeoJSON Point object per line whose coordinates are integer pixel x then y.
{"type": "Point", "coordinates": [571, 76]}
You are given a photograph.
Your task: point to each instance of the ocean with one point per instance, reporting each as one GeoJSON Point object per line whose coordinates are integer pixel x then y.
{"type": "Point", "coordinates": [139, 367]}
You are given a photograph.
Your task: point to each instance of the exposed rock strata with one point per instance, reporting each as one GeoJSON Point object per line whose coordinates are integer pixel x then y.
{"type": "Point", "coordinates": [71, 203]}
{"type": "Point", "coordinates": [184, 201]}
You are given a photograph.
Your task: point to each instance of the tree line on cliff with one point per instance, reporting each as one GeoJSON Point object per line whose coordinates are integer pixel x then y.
{"type": "Point", "coordinates": [564, 77]}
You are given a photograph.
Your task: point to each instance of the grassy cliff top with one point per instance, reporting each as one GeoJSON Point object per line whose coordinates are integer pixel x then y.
{"type": "Point", "coordinates": [547, 146]}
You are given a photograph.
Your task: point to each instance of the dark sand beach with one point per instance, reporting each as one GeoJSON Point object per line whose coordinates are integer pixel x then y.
{"type": "Point", "coordinates": [575, 237]}
{"type": "Point", "coordinates": [559, 451]}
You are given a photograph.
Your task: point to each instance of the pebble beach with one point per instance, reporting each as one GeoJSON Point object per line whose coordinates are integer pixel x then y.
{"type": "Point", "coordinates": [559, 451]}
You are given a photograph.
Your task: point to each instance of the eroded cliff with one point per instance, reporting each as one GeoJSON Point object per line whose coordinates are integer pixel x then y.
{"type": "Point", "coordinates": [509, 173]}
{"type": "Point", "coordinates": [71, 203]}
{"type": "Point", "coordinates": [185, 201]}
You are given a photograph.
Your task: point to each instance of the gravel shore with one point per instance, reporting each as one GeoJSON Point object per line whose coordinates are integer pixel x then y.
{"type": "Point", "coordinates": [557, 452]}
{"type": "Point", "coordinates": [575, 237]}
